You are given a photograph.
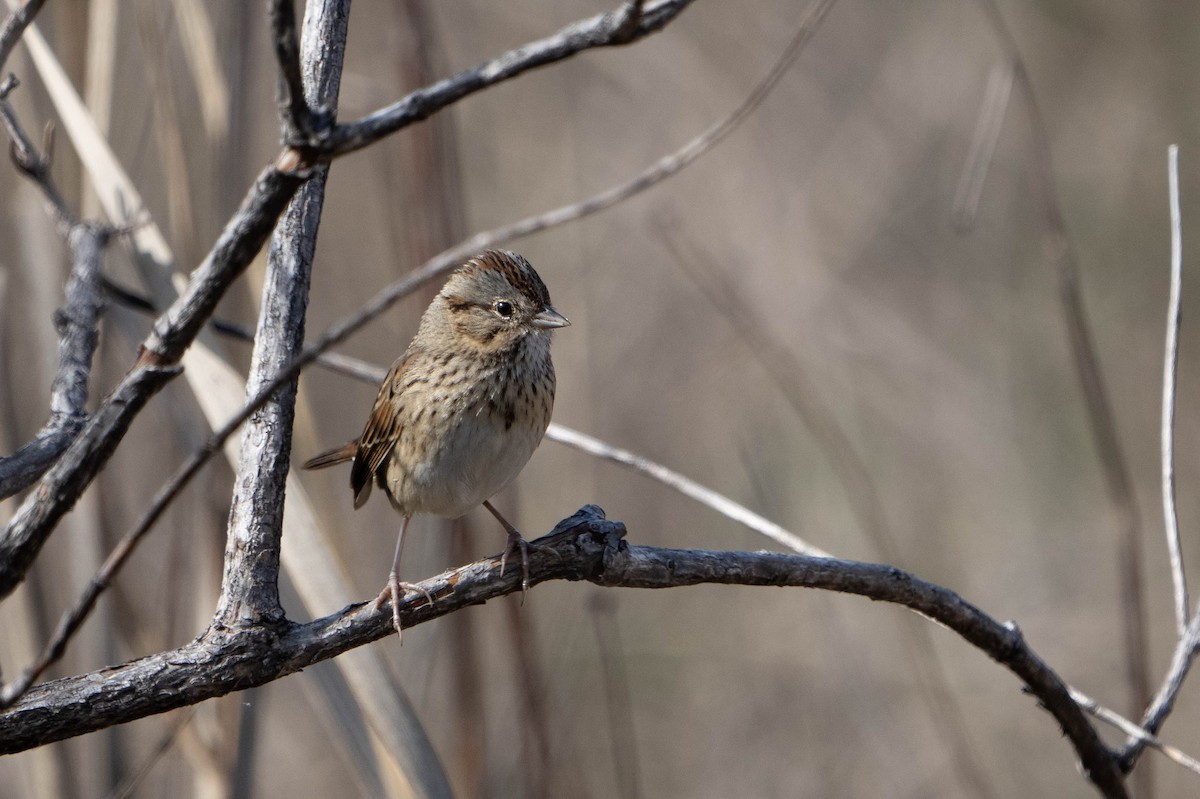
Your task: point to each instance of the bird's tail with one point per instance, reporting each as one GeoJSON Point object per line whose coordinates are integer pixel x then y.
{"type": "Point", "coordinates": [334, 456]}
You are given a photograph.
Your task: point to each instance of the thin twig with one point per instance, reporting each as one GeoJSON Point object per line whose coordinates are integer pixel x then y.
{"type": "Point", "coordinates": [684, 485]}
{"type": "Point", "coordinates": [79, 321]}
{"type": "Point", "coordinates": [1189, 637]}
{"type": "Point", "coordinates": [1170, 362]}
{"type": "Point", "coordinates": [670, 164]}
{"type": "Point", "coordinates": [1126, 726]}
{"type": "Point", "coordinates": [34, 165]}
{"type": "Point", "coordinates": [333, 361]}
{"type": "Point", "coordinates": [1164, 701]}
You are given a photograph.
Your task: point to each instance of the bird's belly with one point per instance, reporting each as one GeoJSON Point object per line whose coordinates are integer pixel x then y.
{"type": "Point", "coordinates": [475, 462]}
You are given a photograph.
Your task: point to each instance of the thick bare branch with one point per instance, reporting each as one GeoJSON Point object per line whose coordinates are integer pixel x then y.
{"type": "Point", "coordinates": [250, 586]}
{"type": "Point", "coordinates": [585, 546]}
{"type": "Point", "coordinates": [22, 469]}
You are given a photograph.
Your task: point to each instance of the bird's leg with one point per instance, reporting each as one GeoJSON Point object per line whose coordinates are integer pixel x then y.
{"type": "Point", "coordinates": [516, 542]}
{"type": "Point", "coordinates": [395, 589]}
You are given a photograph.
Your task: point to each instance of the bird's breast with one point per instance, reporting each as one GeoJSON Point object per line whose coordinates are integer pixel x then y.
{"type": "Point", "coordinates": [467, 439]}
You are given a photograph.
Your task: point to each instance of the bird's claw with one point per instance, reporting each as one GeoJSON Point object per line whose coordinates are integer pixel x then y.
{"type": "Point", "coordinates": [517, 542]}
{"type": "Point", "coordinates": [394, 591]}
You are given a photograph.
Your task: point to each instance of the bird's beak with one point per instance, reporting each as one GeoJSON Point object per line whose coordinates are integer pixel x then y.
{"type": "Point", "coordinates": [549, 319]}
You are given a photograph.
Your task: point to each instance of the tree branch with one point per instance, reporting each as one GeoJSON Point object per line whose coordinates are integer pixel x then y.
{"type": "Point", "coordinates": [1111, 717]}
{"type": "Point", "coordinates": [78, 321]}
{"type": "Point", "coordinates": [1170, 362]}
{"type": "Point", "coordinates": [585, 546]}
{"type": "Point", "coordinates": [295, 113]}
{"type": "Point", "coordinates": [250, 586]}
{"type": "Point", "coordinates": [1188, 642]}
{"type": "Point", "coordinates": [684, 485]}
{"type": "Point", "coordinates": [14, 25]}
{"type": "Point", "coordinates": [622, 26]}
{"type": "Point", "coordinates": [1160, 707]}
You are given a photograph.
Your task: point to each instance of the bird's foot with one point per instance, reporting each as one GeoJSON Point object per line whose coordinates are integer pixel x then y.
{"type": "Point", "coordinates": [394, 591]}
{"type": "Point", "coordinates": [517, 542]}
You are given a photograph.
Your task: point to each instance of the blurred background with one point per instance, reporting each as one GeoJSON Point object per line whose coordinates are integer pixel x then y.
{"type": "Point", "coordinates": [814, 319]}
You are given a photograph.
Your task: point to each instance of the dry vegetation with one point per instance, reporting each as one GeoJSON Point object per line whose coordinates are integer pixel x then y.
{"type": "Point", "coordinates": [866, 314]}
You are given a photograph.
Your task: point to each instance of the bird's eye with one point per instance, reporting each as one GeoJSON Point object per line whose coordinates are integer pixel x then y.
{"type": "Point", "coordinates": [504, 308]}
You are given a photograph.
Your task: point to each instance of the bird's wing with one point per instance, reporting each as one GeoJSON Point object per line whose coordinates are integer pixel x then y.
{"type": "Point", "coordinates": [380, 434]}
